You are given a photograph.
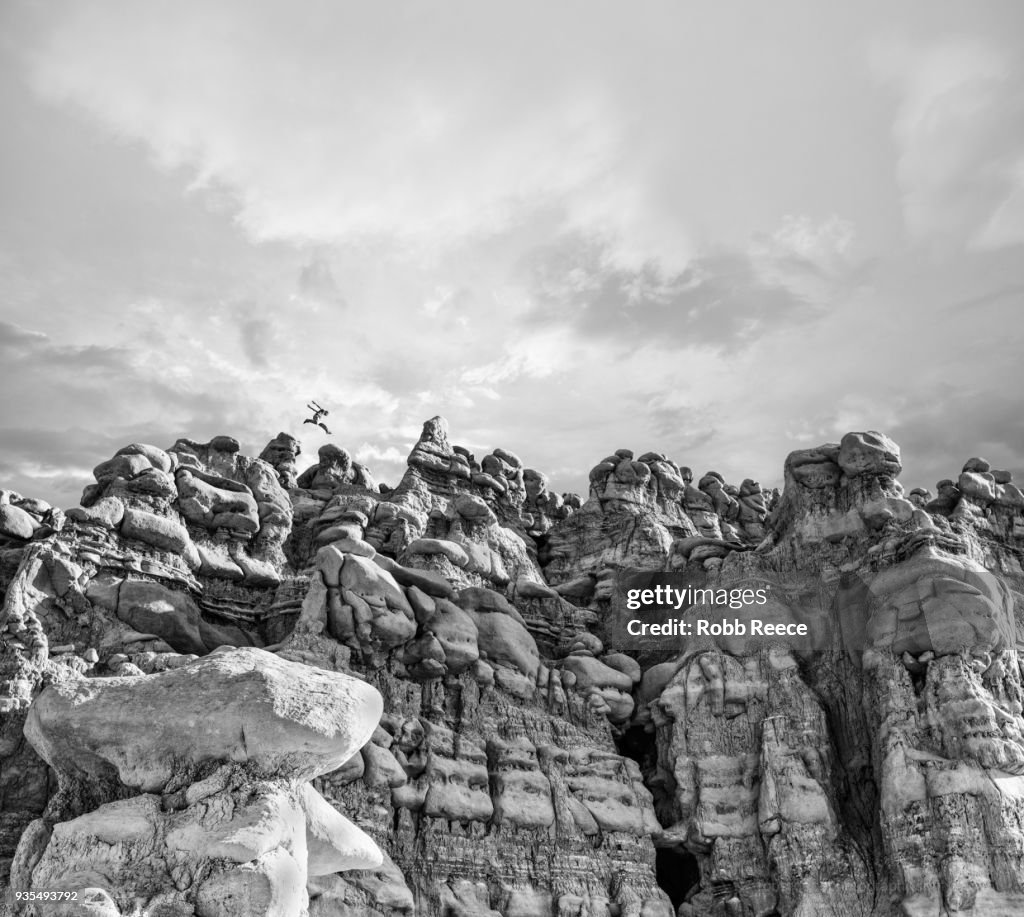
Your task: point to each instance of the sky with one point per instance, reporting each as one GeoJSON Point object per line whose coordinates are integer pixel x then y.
{"type": "Point", "coordinates": [720, 231]}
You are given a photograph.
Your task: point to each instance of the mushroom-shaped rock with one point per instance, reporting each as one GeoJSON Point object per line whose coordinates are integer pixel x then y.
{"type": "Point", "coordinates": [233, 705]}
{"type": "Point", "coordinates": [979, 486]}
{"type": "Point", "coordinates": [869, 453]}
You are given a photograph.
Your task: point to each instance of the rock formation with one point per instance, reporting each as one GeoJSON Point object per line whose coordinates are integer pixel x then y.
{"type": "Point", "coordinates": [189, 790]}
{"type": "Point", "coordinates": [230, 688]}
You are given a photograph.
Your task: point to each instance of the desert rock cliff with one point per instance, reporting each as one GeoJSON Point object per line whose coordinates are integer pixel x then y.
{"type": "Point", "coordinates": [232, 689]}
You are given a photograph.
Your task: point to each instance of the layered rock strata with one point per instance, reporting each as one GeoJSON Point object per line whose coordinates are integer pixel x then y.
{"type": "Point", "coordinates": [229, 687]}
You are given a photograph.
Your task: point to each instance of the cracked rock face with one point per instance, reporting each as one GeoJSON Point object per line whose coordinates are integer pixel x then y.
{"type": "Point", "coordinates": [446, 719]}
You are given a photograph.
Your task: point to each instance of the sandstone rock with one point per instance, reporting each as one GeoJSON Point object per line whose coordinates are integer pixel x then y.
{"type": "Point", "coordinates": [215, 504]}
{"type": "Point", "coordinates": [947, 499]}
{"type": "Point", "coordinates": [815, 468]}
{"type": "Point", "coordinates": [933, 603]}
{"type": "Point", "coordinates": [875, 760]}
{"type": "Point", "coordinates": [977, 486]}
{"type": "Point", "coordinates": [862, 453]}
{"type": "Point", "coordinates": [456, 634]}
{"type": "Point", "coordinates": [505, 641]}
{"type": "Point", "coordinates": [158, 531]}
{"type": "Point", "coordinates": [381, 768]}
{"type": "Point", "coordinates": [16, 523]}
{"type": "Point", "coordinates": [383, 890]}
{"type": "Point", "coordinates": [108, 512]}
{"type": "Point", "coordinates": [155, 456]}
{"type": "Point", "coordinates": [454, 552]}
{"type": "Point", "coordinates": [333, 842]}
{"type": "Point", "coordinates": [426, 580]}
{"type": "Point", "coordinates": [335, 469]}
{"type": "Point", "coordinates": [215, 561]}
{"type": "Point", "coordinates": [242, 705]}
{"type": "Point", "coordinates": [625, 664]}
{"type": "Point", "coordinates": [281, 453]}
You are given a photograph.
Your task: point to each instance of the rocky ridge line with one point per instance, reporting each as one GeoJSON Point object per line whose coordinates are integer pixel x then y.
{"type": "Point", "coordinates": [525, 763]}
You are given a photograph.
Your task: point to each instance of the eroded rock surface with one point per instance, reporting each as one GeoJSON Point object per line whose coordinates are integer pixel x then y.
{"type": "Point", "coordinates": [188, 790]}
{"type": "Point", "coordinates": [529, 761]}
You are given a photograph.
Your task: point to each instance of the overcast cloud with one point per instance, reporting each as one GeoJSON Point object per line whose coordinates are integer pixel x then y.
{"type": "Point", "coordinates": [719, 231]}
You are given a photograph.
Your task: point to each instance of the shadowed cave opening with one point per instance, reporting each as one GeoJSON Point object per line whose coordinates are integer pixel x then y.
{"type": "Point", "coordinates": [639, 744]}
{"type": "Point", "coordinates": [675, 869]}
{"type": "Point", "coordinates": [677, 873]}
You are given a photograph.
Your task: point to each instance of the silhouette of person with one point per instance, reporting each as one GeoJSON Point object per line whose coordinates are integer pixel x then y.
{"type": "Point", "coordinates": [318, 412]}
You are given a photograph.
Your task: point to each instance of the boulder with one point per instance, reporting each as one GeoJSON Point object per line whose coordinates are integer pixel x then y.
{"type": "Point", "coordinates": [16, 523]}
{"type": "Point", "coordinates": [159, 532]}
{"type": "Point", "coordinates": [242, 705]}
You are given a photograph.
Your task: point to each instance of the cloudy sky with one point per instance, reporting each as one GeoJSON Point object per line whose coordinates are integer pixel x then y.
{"type": "Point", "coordinates": [721, 231]}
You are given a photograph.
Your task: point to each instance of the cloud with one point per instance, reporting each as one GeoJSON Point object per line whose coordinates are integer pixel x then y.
{"type": "Point", "coordinates": [350, 139]}
{"type": "Point", "coordinates": [568, 230]}
{"type": "Point", "coordinates": [959, 131]}
{"type": "Point", "coordinates": [405, 135]}
{"type": "Point", "coordinates": [725, 298]}
{"type": "Point", "coordinates": [317, 284]}
{"type": "Point", "coordinates": [387, 463]}
{"type": "Point", "coordinates": [176, 378]}
{"type": "Point", "coordinates": [13, 337]}
{"type": "Point", "coordinates": [256, 340]}
{"type": "Point", "coordinates": [59, 457]}
{"type": "Point", "coordinates": [814, 261]}
{"type": "Point", "coordinates": [448, 303]}
{"type": "Point", "coordinates": [67, 407]}
{"type": "Point", "coordinates": [940, 434]}
{"type": "Point", "coordinates": [677, 417]}
{"type": "Point", "coordinates": [536, 354]}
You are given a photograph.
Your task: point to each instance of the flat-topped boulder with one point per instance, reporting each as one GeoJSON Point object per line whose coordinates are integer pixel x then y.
{"type": "Point", "coordinates": [240, 705]}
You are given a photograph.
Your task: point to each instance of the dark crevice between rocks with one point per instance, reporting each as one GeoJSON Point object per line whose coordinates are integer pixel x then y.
{"type": "Point", "coordinates": [840, 690]}
{"type": "Point", "coordinates": [676, 870]}
{"type": "Point", "coordinates": [677, 873]}
{"type": "Point", "coordinates": [639, 744]}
